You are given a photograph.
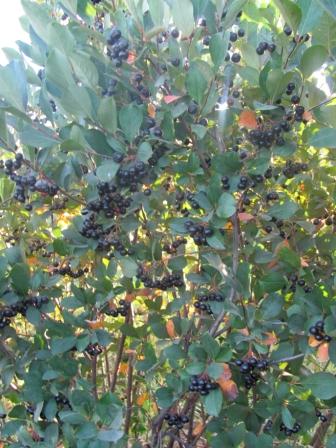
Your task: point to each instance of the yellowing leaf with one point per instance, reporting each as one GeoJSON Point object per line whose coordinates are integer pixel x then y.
{"type": "Point", "coordinates": [123, 366]}
{"type": "Point", "coordinates": [32, 261]}
{"type": "Point", "coordinates": [198, 429]}
{"type": "Point", "coordinates": [95, 324]}
{"type": "Point", "coordinates": [142, 398]}
{"type": "Point", "coordinates": [313, 342]}
{"type": "Point", "coordinates": [323, 352]}
{"type": "Point", "coordinates": [151, 110]}
{"type": "Point", "coordinates": [248, 119]}
{"type": "Point", "coordinates": [170, 327]}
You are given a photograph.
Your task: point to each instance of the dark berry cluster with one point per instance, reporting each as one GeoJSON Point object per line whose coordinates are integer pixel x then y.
{"type": "Point", "coordinates": [289, 431]}
{"type": "Point", "coordinates": [321, 417]}
{"type": "Point", "coordinates": [202, 302]}
{"type": "Point", "coordinates": [317, 331]}
{"type": "Point", "coordinates": [201, 385]}
{"type": "Point", "coordinates": [249, 368]}
{"type": "Point", "coordinates": [300, 282]}
{"type": "Point", "coordinates": [94, 349]}
{"type": "Point", "coordinates": [198, 232]}
{"type": "Point", "coordinates": [193, 202]}
{"type": "Point", "coordinates": [53, 105]}
{"type": "Point", "coordinates": [20, 308]}
{"type": "Point", "coordinates": [121, 310]}
{"type": "Point", "coordinates": [144, 92]}
{"type": "Point", "coordinates": [293, 168]}
{"type": "Point", "coordinates": [268, 137]}
{"type": "Point", "coordinates": [263, 46]}
{"type": "Point", "coordinates": [27, 182]}
{"type": "Point", "coordinates": [164, 283]}
{"type": "Point", "coordinates": [66, 270]}
{"type": "Point", "coordinates": [119, 247]}
{"type": "Point", "coordinates": [96, 2]}
{"type": "Point", "coordinates": [117, 48]}
{"type": "Point", "coordinates": [132, 176]}
{"type": "Point", "coordinates": [176, 420]}
{"type": "Point", "coordinates": [172, 248]}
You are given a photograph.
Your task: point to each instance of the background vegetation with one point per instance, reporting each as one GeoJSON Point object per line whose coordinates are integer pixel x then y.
{"type": "Point", "coordinates": [167, 268]}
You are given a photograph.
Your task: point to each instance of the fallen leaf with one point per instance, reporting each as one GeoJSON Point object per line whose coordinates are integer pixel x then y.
{"type": "Point", "coordinates": [142, 398]}
{"type": "Point", "coordinates": [170, 98]}
{"type": "Point", "coordinates": [245, 217]}
{"type": "Point", "coordinates": [323, 352]}
{"type": "Point", "coordinates": [248, 119]}
{"type": "Point", "coordinates": [170, 327]}
{"type": "Point", "coordinates": [151, 110]}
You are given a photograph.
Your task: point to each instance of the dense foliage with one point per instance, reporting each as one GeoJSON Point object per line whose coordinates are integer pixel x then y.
{"type": "Point", "coordinates": [168, 220]}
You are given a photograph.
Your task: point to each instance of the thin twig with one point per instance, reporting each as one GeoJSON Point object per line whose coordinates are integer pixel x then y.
{"type": "Point", "coordinates": [289, 358]}
{"type": "Point", "coordinates": [235, 261]}
{"type": "Point", "coordinates": [328, 100]}
{"type": "Point", "coordinates": [129, 389]}
{"type": "Point", "coordinates": [321, 431]}
{"type": "Point", "coordinates": [121, 346]}
{"type": "Point", "coordinates": [94, 376]}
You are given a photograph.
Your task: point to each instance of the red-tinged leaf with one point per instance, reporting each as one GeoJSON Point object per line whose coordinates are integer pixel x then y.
{"type": "Point", "coordinates": [270, 339]}
{"type": "Point", "coordinates": [170, 98]}
{"type": "Point", "coordinates": [226, 374]}
{"type": "Point", "coordinates": [170, 327]}
{"type": "Point", "coordinates": [131, 57]}
{"type": "Point", "coordinates": [95, 324]}
{"type": "Point", "coordinates": [323, 352]}
{"type": "Point", "coordinates": [229, 389]}
{"type": "Point", "coordinates": [198, 429]}
{"type": "Point", "coordinates": [245, 217]}
{"type": "Point", "coordinates": [248, 119]}
{"type": "Point", "coordinates": [307, 115]}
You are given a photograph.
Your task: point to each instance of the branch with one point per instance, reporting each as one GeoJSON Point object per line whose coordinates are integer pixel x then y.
{"type": "Point", "coordinates": [321, 431]}
{"type": "Point", "coordinates": [94, 376]}
{"type": "Point", "coordinates": [289, 358]}
{"type": "Point", "coordinates": [129, 393]}
{"type": "Point", "coordinates": [328, 100]}
{"type": "Point", "coordinates": [117, 362]}
{"type": "Point", "coordinates": [235, 261]}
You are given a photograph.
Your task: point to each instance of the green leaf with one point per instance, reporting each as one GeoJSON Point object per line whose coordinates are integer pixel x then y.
{"type": "Point", "coordinates": [62, 345]}
{"type": "Point", "coordinates": [310, 16]}
{"type": "Point", "coordinates": [13, 85]}
{"type": "Point", "coordinates": [6, 189]}
{"type": "Point", "coordinates": [109, 435]}
{"type": "Point", "coordinates": [226, 205]}
{"type": "Point", "coordinates": [107, 171]}
{"type": "Point", "coordinates": [289, 257]}
{"type": "Point", "coordinates": [284, 211]}
{"type": "Point", "coordinates": [218, 47]}
{"type": "Point", "coordinates": [272, 282]}
{"type": "Point", "coordinates": [324, 138]}
{"type": "Point", "coordinates": [331, 442]}
{"type": "Point", "coordinates": [40, 137]}
{"type": "Point", "coordinates": [322, 385]}
{"type": "Point", "coordinates": [107, 114]}
{"type": "Point", "coordinates": [144, 152]}
{"type": "Point", "coordinates": [70, 5]}
{"type": "Point", "coordinates": [312, 59]}
{"type": "Point", "coordinates": [290, 12]}
{"type": "Point", "coordinates": [130, 119]}
{"type": "Point", "coordinates": [20, 276]}
{"type": "Point", "coordinates": [213, 402]}
{"type": "Point", "coordinates": [183, 16]}
{"type": "Point", "coordinates": [197, 80]}
{"type": "Point", "coordinates": [329, 6]}
{"type": "Point", "coordinates": [84, 69]}
{"type": "Point", "coordinates": [287, 417]}
{"type": "Point", "coordinates": [156, 9]}
{"type": "Point", "coordinates": [128, 267]}
{"type": "Point", "coordinates": [276, 82]}
{"type": "Point", "coordinates": [210, 345]}
{"type": "Point", "coordinates": [38, 18]}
